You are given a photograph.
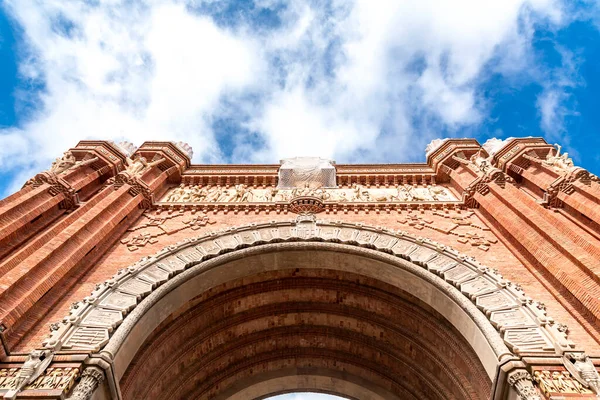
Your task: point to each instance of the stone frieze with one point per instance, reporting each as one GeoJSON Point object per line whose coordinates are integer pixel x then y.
{"type": "Point", "coordinates": [356, 193]}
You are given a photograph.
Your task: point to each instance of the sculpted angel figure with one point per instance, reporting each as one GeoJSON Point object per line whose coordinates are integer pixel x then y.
{"type": "Point", "coordinates": [582, 369]}
{"type": "Point", "coordinates": [30, 371]}
{"type": "Point", "coordinates": [482, 163]}
{"type": "Point", "coordinates": [139, 165]}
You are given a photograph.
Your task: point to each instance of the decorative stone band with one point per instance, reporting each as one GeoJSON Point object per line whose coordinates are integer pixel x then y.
{"type": "Point", "coordinates": [521, 322]}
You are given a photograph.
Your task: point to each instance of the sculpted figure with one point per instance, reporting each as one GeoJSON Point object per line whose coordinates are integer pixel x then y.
{"type": "Point", "coordinates": [545, 381]}
{"type": "Point", "coordinates": [582, 369]}
{"type": "Point", "coordinates": [269, 194]}
{"type": "Point", "coordinates": [360, 193]}
{"type": "Point", "coordinates": [64, 163]}
{"type": "Point", "coordinates": [282, 195]}
{"type": "Point", "coordinates": [402, 194]}
{"type": "Point", "coordinates": [339, 196]}
{"type": "Point", "coordinates": [214, 193]}
{"type": "Point", "coordinates": [176, 194]}
{"type": "Point", "coordinates": [437, 192]}
{"type": "Point", "coordinates": [226, 195]}
{"type": "Point", "coordinates": [198, 193]}
{"type": "Point", "coordinates": [303, 191]}
{"type": "Point", "coordinates": [562, 384]}
{"type": "Point", "coordinates": [139, 165]}
{"type": "Point", "coordinates": [238, 193]}
{"type": "Point", "coordinates": [248, 195]}
{"type": "Point", "coordinates": [379, 197]}
{"type": "Point", "coordinates": [560, 162]}
{"type": "Point", "coordinates": [480, 162]}
{"type": "Point", "coordinates": [30, 371]}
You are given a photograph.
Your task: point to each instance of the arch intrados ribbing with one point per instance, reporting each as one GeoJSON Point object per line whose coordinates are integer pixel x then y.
{"type": "Point", "coordinates": [171, 331]}
{"type": "Point", "coordinates": [133, 334]}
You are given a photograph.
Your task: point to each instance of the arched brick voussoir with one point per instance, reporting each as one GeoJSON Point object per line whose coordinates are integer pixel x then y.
{"type": "Point", "coordinates": [493, 315]}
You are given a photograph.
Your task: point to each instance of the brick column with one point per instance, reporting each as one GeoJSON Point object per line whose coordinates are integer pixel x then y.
{"type": "Point", "coordinates": [57, 191]}
{"type": "Point", "coordinates": [565, 254]}
{"type": "Point", "coordinates": [61, 253]}
{"type": "Point", "coordinates": [553, 177]}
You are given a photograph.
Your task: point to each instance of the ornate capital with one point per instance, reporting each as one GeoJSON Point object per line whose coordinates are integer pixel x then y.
{"type": "Point", "coordinates": [90, 379]}
{"type": "Point", "coordinates": [523, 383]}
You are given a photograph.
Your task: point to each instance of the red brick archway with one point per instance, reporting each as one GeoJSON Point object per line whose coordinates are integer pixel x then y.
{"type": "Point", "coordinates": [297, 329]}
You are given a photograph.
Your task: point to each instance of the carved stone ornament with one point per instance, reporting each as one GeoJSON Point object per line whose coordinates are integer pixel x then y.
{"type": "Point", "coordinates": [310, 172]}
{"type": "Point", "coordinates": [523, 384]}
{"type": "Point", "coordinates": [186, 148]}
{"type": "Point", "coordinates": [559, 162]}
{"type": "Point", "coordinates": [434, 145]}
{"type": "Point", "coordinates": [524, 328]}
{"type": "Point", "coordinates": [582, 368]}
{"type": "Point", "coordinates": [91, 377]}
{"type": "Point", "coordinates": [357, 193]}
{"type": "Point", "coordinates": [127, 148]}
{"type": "Point", "coordinates": [32, 368]}
{"type": "Point", "coordinates": [553, 383]}
{"type": "Point", "coordinates": [137, 167]}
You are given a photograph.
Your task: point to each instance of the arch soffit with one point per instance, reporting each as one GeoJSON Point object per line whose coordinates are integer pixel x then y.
{"type": "Point", "coordinates": [493, 314]}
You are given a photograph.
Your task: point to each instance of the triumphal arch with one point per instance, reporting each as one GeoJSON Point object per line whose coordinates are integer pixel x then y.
{"type": "Point", "coordinates": [130, 273]}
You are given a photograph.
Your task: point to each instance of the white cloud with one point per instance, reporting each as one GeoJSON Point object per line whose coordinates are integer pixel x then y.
{"type": "Point", "coordinates": [342, 79]}
{"type": "Point", "coordinates": [552, 103]}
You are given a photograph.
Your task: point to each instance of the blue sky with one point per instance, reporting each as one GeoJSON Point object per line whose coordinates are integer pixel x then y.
{"type": "Point", "coordinates": [257, 81]}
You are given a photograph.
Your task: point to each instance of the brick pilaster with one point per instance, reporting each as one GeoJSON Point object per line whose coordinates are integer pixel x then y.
{"type": "Point", "coordinates": [69, 246]}
{"type": "Point", "coordinates": [49, 195]}
{"type": "Point", "coordinates": [513, 190]}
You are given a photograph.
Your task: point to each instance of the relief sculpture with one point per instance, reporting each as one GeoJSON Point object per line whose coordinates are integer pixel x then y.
{"type": "Point", "coordinates": [355, 193]}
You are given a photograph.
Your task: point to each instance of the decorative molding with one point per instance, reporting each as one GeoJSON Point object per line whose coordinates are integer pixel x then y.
{"type": "Point", "coordinates": [520, 321]}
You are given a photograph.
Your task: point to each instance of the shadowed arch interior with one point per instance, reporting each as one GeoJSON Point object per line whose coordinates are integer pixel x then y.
{"type": "Point", "coordinates": [304, 317]}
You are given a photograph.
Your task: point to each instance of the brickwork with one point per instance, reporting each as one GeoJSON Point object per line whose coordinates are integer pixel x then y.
{"type": "Point", "coordinates": [522, 209]}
